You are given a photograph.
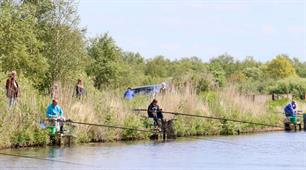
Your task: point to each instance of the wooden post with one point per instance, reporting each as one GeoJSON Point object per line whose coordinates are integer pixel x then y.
{"type": "Point", "coordinates": [164, 129]}
{"type": "Point", "coordinates": [164, 134]}
{"type": "Point", "coordinates": [304, 121]}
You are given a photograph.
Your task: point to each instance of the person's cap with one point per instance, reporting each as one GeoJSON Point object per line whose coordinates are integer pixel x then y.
{"type": "Point", "coordinates": [54, 100]}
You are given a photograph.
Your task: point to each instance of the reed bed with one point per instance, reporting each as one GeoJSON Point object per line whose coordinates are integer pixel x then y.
{"type": "Point", "coordinates": [20, 126]}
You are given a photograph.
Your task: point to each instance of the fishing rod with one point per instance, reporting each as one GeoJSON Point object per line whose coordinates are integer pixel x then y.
{"type": "Point", "coordinates": [212, 117]}
{"type": "Point", "coordinates": [111, 126]}
{"type": "Point", "coordinates": [43, 159]}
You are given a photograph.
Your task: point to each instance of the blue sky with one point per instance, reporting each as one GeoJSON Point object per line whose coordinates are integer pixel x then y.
{"type": "Point", "coordinates": [206, 29]}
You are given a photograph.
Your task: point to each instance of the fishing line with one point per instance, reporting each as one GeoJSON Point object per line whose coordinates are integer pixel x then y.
{"type": "Point", "coordinates": [112, 126]}
{"type": "Point", "coordinates": [212, 117]}
{"type": "Point", "coordinates": [43, 159]}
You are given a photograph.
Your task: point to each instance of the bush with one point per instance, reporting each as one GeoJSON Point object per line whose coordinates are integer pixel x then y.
{"type": "Point", "coordinates": [295, 86]}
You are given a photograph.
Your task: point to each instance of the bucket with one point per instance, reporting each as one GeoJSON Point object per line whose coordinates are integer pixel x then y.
{"type": "Point", "coordinates": [304, 120]}
{"type": "Point", "coordinates": [52, 130]}
{"type": "Point", "coordinates": [293, 119]}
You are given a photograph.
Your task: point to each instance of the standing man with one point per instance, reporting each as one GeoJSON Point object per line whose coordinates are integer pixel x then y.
{"type": "Point", "coordinates": [79, 89]}
{"type": "Point", "coordinates": [55, 113]}
{"type": "Point", "coordinates": [12, 89]}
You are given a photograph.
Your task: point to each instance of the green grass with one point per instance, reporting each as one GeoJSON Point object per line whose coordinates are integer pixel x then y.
{"type": "Point", "coordinates": [20, 127]}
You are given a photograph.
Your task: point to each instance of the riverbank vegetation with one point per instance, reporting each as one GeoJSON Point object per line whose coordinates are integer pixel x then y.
{"type": "Point", "coordinates": [43, 42]}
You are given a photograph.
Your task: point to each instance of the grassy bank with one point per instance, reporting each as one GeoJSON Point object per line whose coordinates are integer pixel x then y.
{"type": "Point", "coordinates": [20, 126]}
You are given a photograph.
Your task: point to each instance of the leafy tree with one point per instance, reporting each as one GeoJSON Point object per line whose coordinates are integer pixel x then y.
{"type": "Point", "coordinates": [20, 47]}
{"type": "Point", "coordinates": [134, 65]}
{"type": "Point", "coordinates": [64, 44]}
{"type": "Point", "coordinates": [218, 73]}
{"type": "Point", "coordinates": [227, 63]}
{"type": "Point", "coordinates": [249, 61]}
{"type": "Point", "coordinates": [107, 61]}
{"type": "Point", "coordinates": [253, 73]}
{"type": "Point", "coordinates": [299, 67]}
{"type": "Point", "coordinates": [280, 67]}
{"type": "Point", "coordinates": [191, 65]}
{"type": "Point", "coordinates": [158, 67]}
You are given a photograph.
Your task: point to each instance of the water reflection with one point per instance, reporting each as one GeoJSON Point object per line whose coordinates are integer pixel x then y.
{"type": "Point", "coordinates": [260, 151]}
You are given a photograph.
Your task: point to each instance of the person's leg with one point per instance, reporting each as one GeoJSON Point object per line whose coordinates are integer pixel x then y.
{"type": "Point", "coordinates": [155, 121]}
{"type": "Point", "coordinates": [287, 114]}
{"type": "Point", "coordinates": [160, 115]}
{"type": "Point", "coordinates": [61, 123]}
{"type": "Point", "coordinates": [11, 101]}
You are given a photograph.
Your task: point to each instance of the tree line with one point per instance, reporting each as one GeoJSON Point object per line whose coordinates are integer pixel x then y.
{"type": "Point", "coordinates": [43, 40]}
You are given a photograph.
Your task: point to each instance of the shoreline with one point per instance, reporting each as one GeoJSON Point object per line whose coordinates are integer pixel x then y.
{"type": "Point", "coordinates": [251, 131]}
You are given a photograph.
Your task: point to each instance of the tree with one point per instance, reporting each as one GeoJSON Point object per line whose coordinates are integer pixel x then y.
{"type": "Point", "coordinates": [218, 73]}
{"type": "Point", "coordinates": [20, 47]}
{"type": "Point", "coordinates": [227, 62]}
{"type": "Point", "coordinates": [134, 69]}
{"type": "Point", "coordinates": [158, 67]}
{"type": "Point", "coordinates": [253, 73]}
{"type": "Point", "coordinates": [107, 62]}
{"type": "Point", "coordinates": [280, 67]}
{"type": "Point", "coordinates": [299, 67]}
{"type": "Point", "coordinates": [64, 44]}
{"type": "Point", "coordinates": [192, 65]}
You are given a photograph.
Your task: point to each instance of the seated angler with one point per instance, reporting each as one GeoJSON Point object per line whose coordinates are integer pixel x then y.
{"type": "Point", "coordinates": [155, 112]}
{"type": "Point", "coordinates": [290, 109]}
{"type": "Point", "coordinates": [55, 113]}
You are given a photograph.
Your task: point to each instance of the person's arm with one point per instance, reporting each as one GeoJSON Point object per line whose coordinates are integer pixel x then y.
{"type": "Point", "coordinates": [7, 84]}
{"type": "Point", "coordinates": [61, 112]}
{"type": "Point", "coordinates": [291, 110]}
{"type": "Point", "coordinates": [125, 93]}
{"type": "Point", "coordinates": [17, 90]}
{"type": "Point", "coordinates": [150, 108]}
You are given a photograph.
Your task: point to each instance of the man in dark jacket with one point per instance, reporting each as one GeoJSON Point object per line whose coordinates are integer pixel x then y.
{"type": "Point", "coordinates": [12, 88]}
{"type": "Point", "coordinates": [290, 109]}
{"type": "Point", "coordinates": [155, 112]}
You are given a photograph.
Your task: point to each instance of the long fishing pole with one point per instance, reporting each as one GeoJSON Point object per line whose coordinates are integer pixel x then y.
{"type": "Point", "coordinates": [44, 159]}
{"type": "Point", "coordinates": [111, 126]}
{"type": "Point", "coordinates": [212, 117]}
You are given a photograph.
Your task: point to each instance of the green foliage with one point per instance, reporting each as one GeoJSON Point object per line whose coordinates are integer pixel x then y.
{"type": "Point", "coordinates": [158, 67]}
{"type": "Point", "coordinates": [273, 104]}
{"type": "Point", "coordinates": [299, 67]}
{"type": "Point", "coordinates": [280, 67]}
{"type": "Point", "coordinates": [43, 41]}
{"type": "Point", "coordinates": [20, 47]}
{"type": "Point", "coordinates": [186, 66]}
{"type": "Point", "coordinates": [64, 45]}
{"type": "Point", "coordinates": [226, 61]}
{"type": "Point", "coordinates": [295, 86]}
{"type": "Point", "coordinates": [107, 62]}
{"type": "Point", "coordinates": [132, 122]}
{"type": "Point", "coordinates": [253, 73]}
{"type": "Point", "coordinates": [217, 71]}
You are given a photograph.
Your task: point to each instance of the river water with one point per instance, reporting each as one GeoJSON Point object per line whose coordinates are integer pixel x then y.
{"type": "Point", "coordinates": [277, 150]}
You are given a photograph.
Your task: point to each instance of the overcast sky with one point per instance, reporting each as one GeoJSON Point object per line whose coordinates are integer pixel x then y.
{"type": "Point", "coordinates": [206, 29]}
